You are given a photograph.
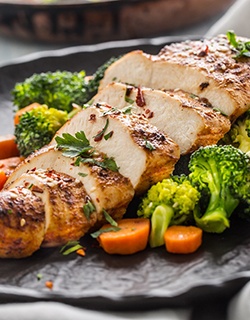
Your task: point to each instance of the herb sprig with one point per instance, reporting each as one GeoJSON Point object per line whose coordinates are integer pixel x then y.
{"type": "Point", "coordinates": [78, 147]}
{"type": "Point", "coordinates": [242, 48]}
{"type": "Point", "coordinates": [69, 247]}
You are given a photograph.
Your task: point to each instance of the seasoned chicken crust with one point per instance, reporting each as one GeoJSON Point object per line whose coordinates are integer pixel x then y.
{"type": "Point", "coordinates": [187, 119]}
{"type": "Point", "coordinates": [206, 68]}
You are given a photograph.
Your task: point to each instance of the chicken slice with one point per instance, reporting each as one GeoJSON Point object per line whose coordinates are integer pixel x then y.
{"type": "Point", "coordinates": [206, 68]}
{"type": "Point", "coordinates": [143, 153]}
{"type": "Point", "coordinates": [64, 199]}
{"type": "Point", "coordinates": [22, 223]}
{"type": "Point", "coordinates": [107, 189]}
{"type": "Point", "coordinates": [187, 119]}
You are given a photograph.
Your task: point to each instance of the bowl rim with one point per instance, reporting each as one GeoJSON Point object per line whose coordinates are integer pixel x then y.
{"type": "Point", "coordinates": [67, 3]}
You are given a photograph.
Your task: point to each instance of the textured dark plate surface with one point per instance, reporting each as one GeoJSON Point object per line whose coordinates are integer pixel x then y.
{"type": "Point", "coordinates": [149, 279]}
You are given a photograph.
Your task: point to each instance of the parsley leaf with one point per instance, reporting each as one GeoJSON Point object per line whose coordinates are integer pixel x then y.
{"type": "Point", "coordinates": [78, 147]}
{"type": "Point", "coordinates": [242, 48]}
{"type": "Point", "coordinates": [73, 146]}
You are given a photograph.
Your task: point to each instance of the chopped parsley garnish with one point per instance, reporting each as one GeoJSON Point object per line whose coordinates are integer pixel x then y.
{"type": "Point", "coordinates": [111, 111]}
{"type": "Point", "coordinates": [88, 208]}
{"type": "Point", "coordinates": [70, 247]}
{"type": "Point", "coordinates": [108, 135]}
{"type": "Point", "coordinates": [99, 232]}
{"type": "Point", "coordinates": [129, 100]}
{"type": "Point", "coordinates": [114, 226]}
{"type": "Point", "coordinates": [127, 109]}
{"type": "Point", "coordinates": [100, 134]}
{"type": "Point", "coordinates": [109, 219]}
{"type": "Point", "coordinates": [149, 145]}
{"type": "Point", "coordinates": [39, 276]}
{"type": "Point", "coordinates": [81, 174]}
{"type": "Point", "coordinates": [78, 147]}
{"type": "Point", "coordinates": [242, 48]}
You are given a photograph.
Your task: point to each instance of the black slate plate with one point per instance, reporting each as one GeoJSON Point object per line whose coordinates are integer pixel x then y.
{"type": "Point", "coordinates": [152, 278]}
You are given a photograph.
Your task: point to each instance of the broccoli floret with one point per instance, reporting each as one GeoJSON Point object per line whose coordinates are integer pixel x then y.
{"type": "Point", "coordinates": [239, 134]}
{"type": "Point", "coordinates": [59, 90]}
{"type": "Point", "coordinates": [169, 202]}
{"type": "Point", "coordinates": [37, 127]}
{"type": "Point", "coordinates": [220, 172]}
{"type": "Point", "coordinates": [94, 81]}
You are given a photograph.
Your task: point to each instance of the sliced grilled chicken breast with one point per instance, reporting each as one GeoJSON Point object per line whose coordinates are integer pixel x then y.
{"type": "Point", "coordinates": [143, 153]}
{"type": "Point", "coordinates": [187, 119]}
{"type": "Point", "coordinates": [206, 68]}
{"type": "Point", "coordinates": [64, 199]}
{"type": "Point", "coordinates": [22, 223]}
{"type": "Point", "coordinates": [107, 189]}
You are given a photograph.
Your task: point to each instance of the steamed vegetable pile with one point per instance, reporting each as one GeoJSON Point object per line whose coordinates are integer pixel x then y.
{"type": "Point", "coordinates": [218, 182]}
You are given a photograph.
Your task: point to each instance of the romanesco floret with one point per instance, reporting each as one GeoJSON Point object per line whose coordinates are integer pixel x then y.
{"type": "Point", "coordinates": [239, 134]}
{"type": "Point", "coordinates": [171, 201]}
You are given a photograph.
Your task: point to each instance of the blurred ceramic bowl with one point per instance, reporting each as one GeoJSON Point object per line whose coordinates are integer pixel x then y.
{"type": "Point", "coordinates": [86, 22]}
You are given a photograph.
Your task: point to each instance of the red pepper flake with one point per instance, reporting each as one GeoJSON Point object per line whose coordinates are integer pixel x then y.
{"type": "Point", "coordinates": [129, 89]}
{"type": "Point", "coordinates": [49, 284]}
{"type": "Point", "coordinates": [101, 133]}
{"type": "Point", "coordinates": [150, 115]}
{"type": "Point", "coordinates": [92, 117]}
{"type": "Point", "coordinates": [81, 252]}
{"type": "Point", "coordinates": [99, 136]}
{"type": "Point", "coordinates": [204, 51]}
{"type": "Point", "coordinates": [203, 85]}
{"type": "Point", "coordinates": [140, 101]}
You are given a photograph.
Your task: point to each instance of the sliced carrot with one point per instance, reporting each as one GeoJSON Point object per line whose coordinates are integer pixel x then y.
{"type": "Point", "coordinates": [23, 110]}
{"type": "Point", "coordinates": [49, 284]}
{"type": "Point", "coordinates": [3, 179]}
{"type": "Point", "coordinates": [131, 237]}
{"type": "Point", "coordinates": [9, 164]}
{"type": "Point", "coordinates": [183, 239]}
{"type": "Point", "coordinates": [8, 146]}
{"type": "Point", "coordinates": [81, 252]}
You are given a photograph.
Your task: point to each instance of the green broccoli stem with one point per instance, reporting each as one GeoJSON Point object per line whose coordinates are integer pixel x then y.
{"type": "Point", "coordinates": [220, 207]}
{"type": "Point", "coordinates": [160, 221]}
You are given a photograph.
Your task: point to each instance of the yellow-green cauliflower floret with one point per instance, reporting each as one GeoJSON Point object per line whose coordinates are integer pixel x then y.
{"type": "Point", "coordinates": [171, 201]}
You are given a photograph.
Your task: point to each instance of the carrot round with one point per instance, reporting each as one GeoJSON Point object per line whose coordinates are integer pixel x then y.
{"type": "Point", "coordinates": [131, 237]}
{"type": "Point", "coordinates": [3, 179]}
{"type": "Point", "coordinates": [183, 239]}
{"type": "Point", "coordinates": [8, 146]}
{"type": "Point", "coordinates": [20, 112]}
